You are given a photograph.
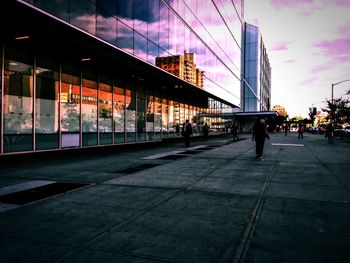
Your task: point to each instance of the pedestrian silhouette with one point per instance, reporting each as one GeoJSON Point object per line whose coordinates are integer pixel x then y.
{"type": "Point", "coordinates": [330, 132]}
{"type": "Point", "coordinates": [260, 134]}
{"type": "Point", "coordinates": [205, 132]}
{"type": "Point", "coordinates": [234, 133]}
{"type": "Point", "coordinates": [300, 131]}
{"type": "Point", "coordinates": [187, 132]}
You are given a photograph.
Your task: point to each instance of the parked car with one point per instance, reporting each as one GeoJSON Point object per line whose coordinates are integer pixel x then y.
{"type": "Point", "coordinates": [345, 131]}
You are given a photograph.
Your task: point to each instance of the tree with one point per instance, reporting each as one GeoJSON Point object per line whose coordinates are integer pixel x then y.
{"type": "Point", "coordinates": [338, 110]}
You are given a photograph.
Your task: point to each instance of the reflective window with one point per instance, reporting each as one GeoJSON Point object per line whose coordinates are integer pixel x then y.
{"type": "Point", "coordinates": [152, 52]}
{"type": "Point", "coordinates": [109, 6]}
{"type": "Point", "coordinates": [59, 8]}
{"type": "Point", "coordinates": [150, 116]}
{"type": "Point", "coordinates": [141, 17]}
{"type": "Point", "coordinates": [165, 118]}
{"type": "Point", "coordinates": [83, 15]}
{"type": "Point", "coordinates": [46, 104]}
{"type": "Point", "coordinates": [18, 106]}
{"type": "Point", "coordinates": [105, 109]}
{"type": "Point", "coordinates": [164, 26]}
{"type": "Point", "coordinates": [157, 118]}
{"type": "Point", "coordinates": [70, 110]}
{"type": "Point", "coordinates": [125, 37]}
{"type": "Point", "coordinates": [118, 113]}
{"type": "Point", "coordinates": [106, 27]}
{"type": "Point", "coordinates": [153, 21]}
{"type": "Point", "coordinates": [89, 107]}
{"type": "Point", "coordinates": [130, 114]}
{"type": "Point", "coordinates": [125, 12]}
{"type": "Point", "coordinates": [141, 121]}
{"type": "Point", "coordinates": [140, 48]}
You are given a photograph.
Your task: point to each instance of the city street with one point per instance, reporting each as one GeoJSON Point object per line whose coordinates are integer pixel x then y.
{"type": "Point", "coordinates": [212, 202]}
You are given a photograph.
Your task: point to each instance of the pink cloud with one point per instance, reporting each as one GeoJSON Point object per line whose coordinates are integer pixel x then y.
{"type": "Point", "coordinates": [337, 49]}
{"type": "Point", "coordinates": [289, 61]}
{"type": "Point", "coordinates": [307, 81]}
{"type": "Point", "coordinates": [280, 46]}
{"type": "Point", "coordinates": [339, 2]}
{"type": "Point", "coordinates": [278, 4]}
{"type": "Point", "coordinates": [319, 68]}
{"type": "Point", "coordinates": [345, 29]}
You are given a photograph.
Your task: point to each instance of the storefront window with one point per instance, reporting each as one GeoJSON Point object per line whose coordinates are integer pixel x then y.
{"type": "Point", "coordinates": [70, 110]}
{"type": "Point", "coordinates": [105, 110]}
{"type": "Point", "coordinates": [118, 113]}
{"type": "Point", "coordinates": [130, 114]}
{"type": "Point", "coordinates": [46, 106]}
{"type": "Point", "coordinates": [18, 106]}
{"type": "Point", "coordinates": [89, 108]}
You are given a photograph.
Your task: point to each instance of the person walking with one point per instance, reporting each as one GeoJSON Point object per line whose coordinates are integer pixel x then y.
{"type": "Point", "coordinates": [205, 132]}
{"type": "Point", "coordinates": [234, 133]}
{"type": "Point", "coordinates": [330, 132]}
{"type": "Point", "coordinates": [286, 129]}
{"type": "Point", "coordinates": [300, 131]}
{"type": "Point", "coordinates": [187, 132]}
{"type": "Point", "coordinates": [260, 134]}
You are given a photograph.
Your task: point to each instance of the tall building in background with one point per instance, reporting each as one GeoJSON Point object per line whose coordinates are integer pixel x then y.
{"type": "Point", "coordinates": [256, 71]}
{"type": "Point", "coordinates": [82, 73]}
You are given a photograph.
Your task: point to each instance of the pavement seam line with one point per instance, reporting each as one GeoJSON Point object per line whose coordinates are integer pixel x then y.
{"type": "Point", "coordinates": [249, 231]}
{"type": "Point", "coordinates": [144, 210]}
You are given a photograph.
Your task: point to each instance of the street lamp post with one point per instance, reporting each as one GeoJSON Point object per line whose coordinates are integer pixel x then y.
{"type": "Point", "coordinates": [334, 84]}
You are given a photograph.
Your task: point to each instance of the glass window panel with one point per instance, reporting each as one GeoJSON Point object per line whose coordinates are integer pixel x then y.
{"type": "Point", "coordinates": [150, 117]}
{"type": "Point", "coordinates": [164, 26]}
{"type": "Point", "coordinates": [152, 53]}
{"type": "Point", "coordinates": [109, 6]}
{"type": "Point", "coordinates": [140, 48]}
{"type": "Point", "coordinates": [119, 113]}
{"type": "Point", "coordinates": [141, 122]}
{"type": "Point", "coordinates": [125, 38]}
{"type": "Point", "coordinates": [141, 17]}
{"type": "Point", "coordinates": [130, 104]}
{"type": "Point", "coordinates": [165, 118]}
{"type": "Point", "coordinates": [105, 112]}
{"type": "Point", "coordinates": [153, 21]}
{"type": "Point", "coordinates": [59, 8]}
{"type": "Point", "coordinates": [89, 108]}
{"type": "Point", "coordinates": [18, 106]}
{"type": "Point", "coordinates": [157, 118]}
{"type": "Point", "coordinates": [70, 110]}
{"type": "Point", "coordinates": [172, 127]}
{"type": "Point", "coordinates": [106, 27]}
{"type": "Point", "coordinates": [125, 12]}
{"type": "Point", "coordinates": [83, 15]}
{"type": "Point", "coordinates": [46, 107]}
{"type": "Point", "coordinates": [173, 28]}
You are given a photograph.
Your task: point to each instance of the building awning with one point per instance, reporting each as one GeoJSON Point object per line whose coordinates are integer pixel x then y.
{"type": "Point", "coordinates": [256, 114]}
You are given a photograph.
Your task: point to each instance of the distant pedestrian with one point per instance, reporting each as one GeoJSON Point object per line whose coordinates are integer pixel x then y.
{"type": "Point", "coordinates": [300, 131]}
{"type": "Point", "coordinates": [260, 134]}
{"type": "Point", "coordinates": [234, 132]}
{"type": "Point", "coordinates": [205, 132]}
{"type": "Point", "coordinates": [187, 132]}
{"type": "Point", "coordinates": [330, 132]}
{"type": "Point", "coordinates": [286, 129]}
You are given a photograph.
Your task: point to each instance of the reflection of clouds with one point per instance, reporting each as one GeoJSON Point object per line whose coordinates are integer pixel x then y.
{"type": "Point", "coordinates": [107, 28]}
{"type": "Point", "coordinates": [85, 22]}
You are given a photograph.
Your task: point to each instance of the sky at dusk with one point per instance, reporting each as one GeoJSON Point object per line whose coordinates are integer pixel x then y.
{"type": "Point", "coordinates": [308, 44]}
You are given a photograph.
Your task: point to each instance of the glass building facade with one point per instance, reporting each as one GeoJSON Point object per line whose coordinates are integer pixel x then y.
{"type": "Point", "coordinates": [83, 73]}
{"type": "Point", "coordinates": [256, 80]}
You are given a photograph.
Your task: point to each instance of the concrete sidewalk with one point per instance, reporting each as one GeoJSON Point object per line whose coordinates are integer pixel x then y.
{"type": "Point", "coordinates": [211, 203]}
